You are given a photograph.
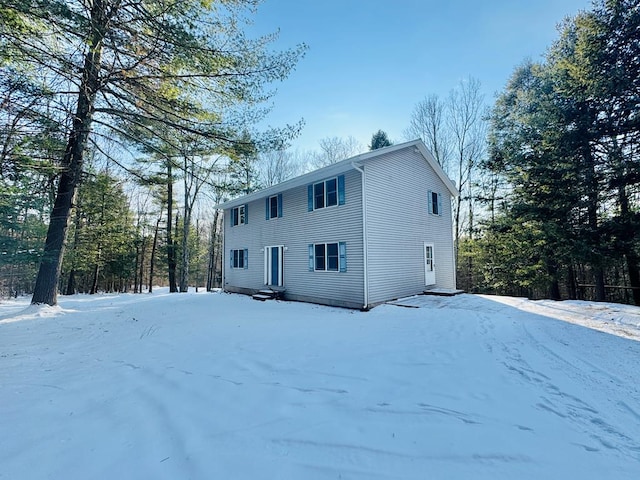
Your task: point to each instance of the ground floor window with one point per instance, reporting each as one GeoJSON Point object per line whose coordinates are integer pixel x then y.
{"type": "Point", "coordinates": [328, 257]}
{"type": "Point", "coordinates": [239, 258]}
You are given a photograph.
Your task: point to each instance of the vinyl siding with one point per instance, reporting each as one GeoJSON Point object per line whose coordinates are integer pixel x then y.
{"type": "Point", "coordinates": [296, 230]}
{"type": "Point", "coordinates": [398, 225]}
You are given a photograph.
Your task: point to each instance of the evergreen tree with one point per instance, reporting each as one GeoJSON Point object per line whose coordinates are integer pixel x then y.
{"type": "Point", "coordinates": [379, 140]}
{"type": "Point", "coordinates": [182, 64]}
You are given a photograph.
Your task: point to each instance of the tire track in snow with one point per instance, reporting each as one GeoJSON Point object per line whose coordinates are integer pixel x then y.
{"type": "Point", "coordinates": [565, 405]}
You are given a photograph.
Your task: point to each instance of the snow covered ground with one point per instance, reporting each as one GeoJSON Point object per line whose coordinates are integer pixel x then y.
{"type": "Point", "coordinates": [218, 386]}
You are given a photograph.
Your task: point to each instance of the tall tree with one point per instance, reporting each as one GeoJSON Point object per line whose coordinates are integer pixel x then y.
{"type": "Point", "coordinates": [428, 122]}
{"type": "Point", "coordinates": [467, 128]}
{"type": "Point", "coordinates": [183, 64]}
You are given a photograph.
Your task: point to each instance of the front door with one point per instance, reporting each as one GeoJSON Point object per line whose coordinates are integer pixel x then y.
{"type": "Point", "coordinates": [273, 263]}
{"type": "Point", "coordinates": [429, 265]}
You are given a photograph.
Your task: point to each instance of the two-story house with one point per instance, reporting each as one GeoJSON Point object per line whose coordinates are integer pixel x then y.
{"type": "Point", "coordinates": [356, 233]}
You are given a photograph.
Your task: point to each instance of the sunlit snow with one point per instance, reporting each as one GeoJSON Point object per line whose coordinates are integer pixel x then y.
{"type": "Point", "coordinates": [218, 386]}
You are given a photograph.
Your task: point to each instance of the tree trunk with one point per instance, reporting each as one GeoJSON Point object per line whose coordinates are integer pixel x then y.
{"type": "Point", "coordinates": [633, 269]}
{"type": "Point", "coordinates": [212, 252]}
{"type": "Point", "coordinates": [45, 290]}
{"type": "Point", "coordinates": [184, 270]}
{"type": "Point", "coordinates": [171, 247]}
{"type": "Point", "coordinates": [71, 283]}
{"type": "Point", "coordinates": [592, 215]}
{"type": "Point", "coordinates": [94, 283]}
{"type": "Point", "coordinates": [135, 271]}
{"type": "Point", "coordinates": [140, 276]}
{"type": "Point", "coordinates": [153, 252]}
{"type": "Point", "coordinates": [571, 283]}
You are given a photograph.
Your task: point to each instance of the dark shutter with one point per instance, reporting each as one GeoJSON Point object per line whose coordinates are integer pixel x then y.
{"type": "Point", "coordinates": [310, 197]}
{"type": "Point", "coordinates": [266, 208]}
{"type": "Point", "coordinates": [341, 198]}
{"type": "Point", "coordinates": [280, 205]}
{"type": "Point", "coordinates": [342, 249]}
{"type": "Point", "coordinates": [246, 258]}
{"type": "Point", "coordinates": [311, 261]}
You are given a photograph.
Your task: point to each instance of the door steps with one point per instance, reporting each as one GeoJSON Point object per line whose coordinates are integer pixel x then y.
{"type": "Point", "coordinates": [268, 294]}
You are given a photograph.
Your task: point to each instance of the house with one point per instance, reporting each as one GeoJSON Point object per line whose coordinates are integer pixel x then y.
{"type": "Point", "coordinates": [356, 233]}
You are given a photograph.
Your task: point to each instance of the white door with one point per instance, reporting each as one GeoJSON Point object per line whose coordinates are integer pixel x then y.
{"type": "Point", "coordinates": [429, 265]}
{"type": "Point", "coordinates": [273, 263]}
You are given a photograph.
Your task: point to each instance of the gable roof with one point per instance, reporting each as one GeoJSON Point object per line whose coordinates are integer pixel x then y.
{"type": "Point", "coordinates": [341, 167]}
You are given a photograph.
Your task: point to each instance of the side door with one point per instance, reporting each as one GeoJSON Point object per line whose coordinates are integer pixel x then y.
{"type": "Point", "coordinates": [429, 264]}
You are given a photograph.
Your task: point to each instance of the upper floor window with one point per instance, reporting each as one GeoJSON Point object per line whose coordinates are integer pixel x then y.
{"type": "Point", "coordinates": [239, 215]}
{"type": "Point", "coordinates": [435, 203]}
{"type": "Point", "coordinates": [327, 193]}
{"type": "Point", "coordinates": [273, 206]}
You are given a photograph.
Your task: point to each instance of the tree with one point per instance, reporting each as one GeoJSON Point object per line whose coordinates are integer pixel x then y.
{"type": "Point", "coordinates": [467, 128]}
{"type": "Point", "coordinates": [335, 149]}
{"type": "Point", "coordinates": [276, 166]}
{"type": "Point", "coordinates": [428, 122]}
{"type": "Point", "coordinates": [379, 140]}
{"type": "Point", "coordinates": [103, 253]}
{"type": "Point", "coordinates": [182, 64]}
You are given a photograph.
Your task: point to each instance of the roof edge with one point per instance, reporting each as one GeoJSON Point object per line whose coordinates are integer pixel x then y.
{"type": "Point", "coordinates": [341, 167]}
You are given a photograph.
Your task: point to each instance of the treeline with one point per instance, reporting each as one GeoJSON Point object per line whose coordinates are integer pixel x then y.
{"type": "Point", "coordinates": [561, 177]}
{"type": "Point", "coordinates": [161, 89]}
{"type": "Point", "coordinates": [549, 175]}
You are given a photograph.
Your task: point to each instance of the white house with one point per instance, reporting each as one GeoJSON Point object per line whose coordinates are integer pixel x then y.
{"type": "Point", "coordinates": [368, 229]}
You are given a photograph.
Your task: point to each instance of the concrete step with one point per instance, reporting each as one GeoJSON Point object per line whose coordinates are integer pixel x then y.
{"type": "Point", "coordinates": [261, 297]}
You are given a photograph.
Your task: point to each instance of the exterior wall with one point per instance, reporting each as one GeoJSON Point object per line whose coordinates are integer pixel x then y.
{"type": "Point", "coordinates": [398, 225]}
{"type": "Point", "coordinates": [296, 229]}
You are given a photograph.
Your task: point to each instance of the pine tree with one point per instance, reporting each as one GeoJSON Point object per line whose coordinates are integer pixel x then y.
{"type": "Point", "coordinates": [129, 66]}
{"type": "Point", "coordinates": [379, 140]}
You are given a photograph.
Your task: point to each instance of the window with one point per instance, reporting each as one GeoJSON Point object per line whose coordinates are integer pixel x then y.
{"type": "Point", "coordinates": [239, 215]}
{"type": "Point", "coordinates": [332, 192]}
{"type": "Point", "coordinates": [239, 258]}
{"type": "Point", "coordinates": [435, 203]}
{"type": "Point", "coordinates": [328, 257]}
{"type": "Point", "coordinates": [327, 193]}
{"type": "Point", "coordinates": [318, 195]}
{"type": "Point", "coordinates": [273, 206]}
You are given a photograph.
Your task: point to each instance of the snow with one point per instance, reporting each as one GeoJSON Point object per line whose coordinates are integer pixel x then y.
{"type": "Point", "coordinates": [201, 386]}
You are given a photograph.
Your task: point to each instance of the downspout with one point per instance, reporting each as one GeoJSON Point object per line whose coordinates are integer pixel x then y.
{"type": "Point", "coordinates": [364, 236]}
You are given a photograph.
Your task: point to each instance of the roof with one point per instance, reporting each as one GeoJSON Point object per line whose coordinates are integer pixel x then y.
{"type": "Point", "coordinates": [341, 167]}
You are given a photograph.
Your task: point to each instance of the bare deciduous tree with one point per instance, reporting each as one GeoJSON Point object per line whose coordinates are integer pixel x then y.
{"type": "Point", "coordinates": [467, 127]}
{"type": "Point", "coordinates": [428, 123]}
{"type": "Point", "coordinates": [276, 166]}
{"type": "Point", "coordinates": [334, 149]}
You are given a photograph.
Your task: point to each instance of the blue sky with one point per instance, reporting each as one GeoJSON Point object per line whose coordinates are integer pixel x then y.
{"type": "Point", "coordinates": [370, 61]}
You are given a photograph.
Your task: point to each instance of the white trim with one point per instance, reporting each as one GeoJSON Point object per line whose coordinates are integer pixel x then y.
{"type": "Point", "coordinates": [427, 270]}
{"type": "Point", "coordinates": [267, 264]}
{"type": "Point", "coordinates": [244, 259]}
{"type": "Point", "coordinates": [242, 206]}
{"type": "Point", "coordinates": [313, 190]}
{"type": "Point", "coordinates": [365, 242]}
{"type": "Point", "coordinates": [277, 206]}
{"type": "Point", "coordinates": [326, 257]}
{"type": "Point", "coordinates": [225, 260]}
